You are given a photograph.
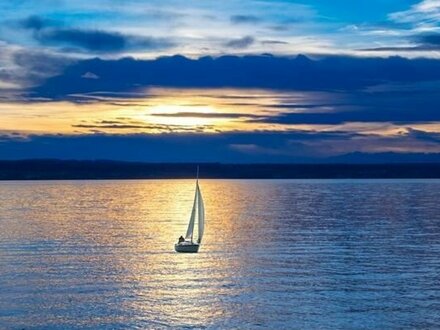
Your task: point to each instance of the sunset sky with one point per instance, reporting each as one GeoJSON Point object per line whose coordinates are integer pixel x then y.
{"type": "Point", "coordinates": [231, 81]}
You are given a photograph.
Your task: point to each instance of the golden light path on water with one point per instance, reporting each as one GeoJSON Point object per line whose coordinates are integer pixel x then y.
{"type": "Point", "coordinates": [124, 234]}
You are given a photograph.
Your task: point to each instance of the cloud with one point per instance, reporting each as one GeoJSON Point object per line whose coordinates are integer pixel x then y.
{"type": "Point", "coordinates": [245, 19]}
{"type": "Point", "coordinates": [426, 11]}
{"type": "Point", "coordinates": [130, 125]}
{"type": "Point", "coordinates": [36, 23]}
{"type": "Point", "coordinates": [304, 26]}
{"type": "Point", "coordinates": [22, 68]}
{"type": "Point", "coordinates": [99, 41]}
{"type": "Point", "coordinates": [90, 40]}
{"type": "Point", "coordinates": [241, 42]}
{"type": "Point", "coordinates": [104, 125]}
{"type": "Point", "coordinates": [375, 114]}
{"type": "Point", "coordinates": [414, 30]}
{"type": "Point", "coordinates": [419, 42]}
{"type": "Point", "coordinates": [206, 115]}
{"type": "Point", "coordinates": [47, 33]}
{"type": "Point", "coordinates": [422, 135]}
{"type": "Point", "coordinates": [274, 42]}
{"type": "Point", "coordinates": [432, 39]}
{"type": "Point", "coordinates": [266, 72]}
{"type": "Point", "coordinates": [397, 49]}
{"type": "Point", "coordinates": [90, 75]}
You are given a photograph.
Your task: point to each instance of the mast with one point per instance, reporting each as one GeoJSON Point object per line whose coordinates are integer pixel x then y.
{"type": "Point", "coordinates": [196, 199]}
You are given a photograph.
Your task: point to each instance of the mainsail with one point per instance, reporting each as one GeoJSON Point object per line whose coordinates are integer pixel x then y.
{"type": "Point", "coordinates": [198, 204]}
{"type": "Point", "coordinates": [201, 208]}
{"type": "Point", "coordinates": [190, 230]}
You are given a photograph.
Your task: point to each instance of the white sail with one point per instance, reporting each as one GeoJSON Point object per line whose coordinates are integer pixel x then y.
{"type": "Point", "coordinates": [201, 209]}
{"type": "Point", "coordinates": [190, 230]}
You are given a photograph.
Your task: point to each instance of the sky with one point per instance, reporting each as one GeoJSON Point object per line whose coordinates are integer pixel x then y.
{"type": "Point", "coordinates": [231, 81]}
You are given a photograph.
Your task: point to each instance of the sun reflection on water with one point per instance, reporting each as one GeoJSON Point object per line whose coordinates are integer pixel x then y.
{"type": "Point", "coordinates": [101, 253]}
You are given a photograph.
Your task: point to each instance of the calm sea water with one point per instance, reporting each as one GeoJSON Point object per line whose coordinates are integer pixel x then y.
{"type": "Point", "coordinates": [281, 254]}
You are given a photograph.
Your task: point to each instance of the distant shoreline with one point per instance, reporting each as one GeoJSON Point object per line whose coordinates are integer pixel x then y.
{"type": "Point", "coordinates": [52, 169]}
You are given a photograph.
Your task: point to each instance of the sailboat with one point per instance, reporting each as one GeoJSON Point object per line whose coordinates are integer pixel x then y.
{"type": "Point", "coordinates": [187, 244]}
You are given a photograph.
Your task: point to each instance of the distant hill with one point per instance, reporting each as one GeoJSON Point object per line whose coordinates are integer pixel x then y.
{"type": "Point", "coordinates": [52, 169]}
{"type": "Point", "coordinates": [385, 157]}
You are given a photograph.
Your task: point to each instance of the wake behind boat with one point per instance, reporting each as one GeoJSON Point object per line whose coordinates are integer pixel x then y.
{"type": "Point", "coordinates": [187, 244]}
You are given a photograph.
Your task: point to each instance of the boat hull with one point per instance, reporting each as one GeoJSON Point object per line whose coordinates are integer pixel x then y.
{"type": "Point", "coordinates": [187, 248]}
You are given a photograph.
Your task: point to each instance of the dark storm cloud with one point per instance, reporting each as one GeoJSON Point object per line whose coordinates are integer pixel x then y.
{"type": "Point", "coordinates": [399, 104]}
{"type": "Point", "coordinates": [268, 72]}
{"type": "Point", "coordinates": [48, 33]}
{"type": "Point", "coordinates": [240, 42]}
{"type": "Point", "coordinates": [394, 107]}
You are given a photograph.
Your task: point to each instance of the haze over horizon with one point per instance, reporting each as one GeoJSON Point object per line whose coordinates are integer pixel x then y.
{"type": "Point", "coordinates": [241, 81]}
